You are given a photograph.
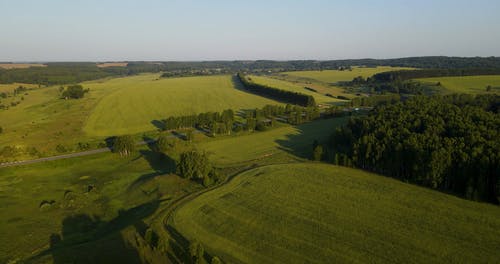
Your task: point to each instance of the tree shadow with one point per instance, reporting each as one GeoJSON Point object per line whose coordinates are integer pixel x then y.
{"type": "Point", "coordinates": [158, 124]}
{"type": "Point", "coordinates": [300, 144]}
{"type": "Point", "coordinates": [88, 239]}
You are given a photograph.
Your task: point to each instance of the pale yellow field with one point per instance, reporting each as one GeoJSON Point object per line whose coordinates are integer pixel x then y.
{"type": "Point", "coordinates": [112, 64]}
{"type": "Point", "coordinates": [20, 65]}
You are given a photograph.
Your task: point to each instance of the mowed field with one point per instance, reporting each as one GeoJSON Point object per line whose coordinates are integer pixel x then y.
{"type": "Point", "coordinates": [277, 145]}
{"type": "Point", "coordinates": [334, 76]}
{"type": "Point", "coordinates": [20, 65]}
{"type": "Point", "coordinates": [318, 213]}
{"type": "Point", "coordinates": [466, 84]}
{"type": "Point", "coordinates": [320, 98]}
{"type": "Point", "coordinates": [137, 101]}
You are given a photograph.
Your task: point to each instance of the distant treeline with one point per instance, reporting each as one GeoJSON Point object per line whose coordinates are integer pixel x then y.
{"type": "Point", "coordinates": [277, 94]}
{"type": "Point", "coordinates": [375, 100]}
{"type": "Point", "coordinates": [74, 72]}
{"type": "Point", "coordinates": [429, 73]}
{"type": "Point", "coordinates": [445, 142]}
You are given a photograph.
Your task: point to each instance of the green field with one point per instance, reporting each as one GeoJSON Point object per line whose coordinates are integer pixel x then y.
{"type": "Point", "coordinates": [137, 101]}
{"type": "Point", "coordinates": [334, 76]}
{"type": "Point", "coordinates": [317, 213]}
{"type": "Point", "coordinates": [466, 84]}
{"type": "Point", "coordinates": [124, 192]}
{"type": "Point", "coordinates": [269, 146]}
{"type": "Point", "coordinates": [320, 98]}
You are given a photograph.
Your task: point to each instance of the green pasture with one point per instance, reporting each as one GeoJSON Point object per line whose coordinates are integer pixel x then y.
{"type": "Point", "coordinates": [88, 201]}
{"type": "Point", "coordinates": [137, 101]}
{"type": "Point", "coordinates": [276, 145]}
{"type": "Point", "coordinates": [466, 84]}
{"type": "Point", "coordinates": [318, 213]}
{"type": "Point", "coordinates": [334, 76]}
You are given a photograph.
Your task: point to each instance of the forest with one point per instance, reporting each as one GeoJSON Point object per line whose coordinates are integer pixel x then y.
{"type": "Point", "coordinates": [443, 142]}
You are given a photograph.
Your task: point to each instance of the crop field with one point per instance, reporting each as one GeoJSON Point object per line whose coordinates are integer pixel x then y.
{"type": "Point", "coordinates": [269, 146]}
{"type": "Point", "coordinates": [112, 64]}
{"type": "Point", "coordinates": [466, 84]}
{"type": "Point", "coordinates": [20, 65]}
{"type": "Point", "coordinates": [334, 76]}
{"type": "Point", "coordinates": [320, 98]}
{"type": "Point", "coordinates": [318, 213]}
{"type": "Point", "coordinates": [137, 101]}
{"type": "Point", "coordinates": [71, 197]}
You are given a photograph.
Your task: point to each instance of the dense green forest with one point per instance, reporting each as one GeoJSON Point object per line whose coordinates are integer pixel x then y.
{"type": "Point", "coordinates": [277, 94]}
{"type": "Point", "coordinates": [444, 142]}
{"type": "Point", "coordinates": [428, 73]}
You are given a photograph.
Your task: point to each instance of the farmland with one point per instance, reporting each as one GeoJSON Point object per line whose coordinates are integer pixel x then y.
{"type": "Point", "coordinates": [141, 99]}
{"type": "Point", "coordinates": [308, 212]}
{"type": "Point", "coordinates": [466, 84]}
{"type": "Point", "coordinates": [335, 76]}
{"type": "Point", "coordinates": [20, 65]}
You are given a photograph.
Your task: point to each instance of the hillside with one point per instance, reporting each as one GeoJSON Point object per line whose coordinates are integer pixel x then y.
{"type": "Point", "coordinates": [316, 213]}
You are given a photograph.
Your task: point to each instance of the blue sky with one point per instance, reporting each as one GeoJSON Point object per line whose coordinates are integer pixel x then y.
{"type": "Point", "coordinates": [105, 30]}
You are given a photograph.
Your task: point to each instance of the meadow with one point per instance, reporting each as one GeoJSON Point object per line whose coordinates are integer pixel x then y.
{"type": "Point", "coordinates": [466, 84]}
{"type": "Point", "coordinates": [137, 101]}
{"type": "Point", "coordinates": [287, 143]}
{"type": "Point", "coordinates": [318, 213]}
{"type": "Point", "coordinates": [334, 76]}
{"type": "Point", "coordinates": [92, 202]}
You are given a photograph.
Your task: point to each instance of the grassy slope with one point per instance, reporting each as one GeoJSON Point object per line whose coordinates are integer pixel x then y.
{"type": "Point", "coordinates": [120, 184]}
{"type": "Point", "coordinates": [264, 146]}
{"type": "Point", "coordinates": [334, 76]}
{"type": "Point", "coordinates": [317, 213]}
{"type": "Point", "coordinates": [466, 84]}
{"type": "Point", "coordinates": [141, 99]}
{"type": "Point", "coordinates": [319, 97]}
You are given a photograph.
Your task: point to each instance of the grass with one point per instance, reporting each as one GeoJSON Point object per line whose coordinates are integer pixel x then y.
{"type": "Point", "coordinates": [324, 82]}
{"type": "Point", "coordinates": [137, 101]}
{"type": "Point", "coordinates": [320, 98]}
{"type": "Point", "coordinates": [122, 193]}
{"type": "Point", "coordinates": [281, 144]}
{"type": "Point", "coordinates": [318, 213]}
{"type": "Point", "coordinates": [113, 106]}
{"type": "Point", "coordinates": [334, 76]}
{"type": "Point", "coordinates": [466, 84]}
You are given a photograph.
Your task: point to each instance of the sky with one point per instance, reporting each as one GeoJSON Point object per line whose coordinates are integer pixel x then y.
{"type": "Point", "coordinates": [118, 30]}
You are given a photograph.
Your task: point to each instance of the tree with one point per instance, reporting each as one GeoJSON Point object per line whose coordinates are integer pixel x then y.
{"type": "Point", "coordinates": [488, 88]}
{"type": "Point", "coordinates": [74, 91]}
{"type": "Point", "coordinates": [124, 145]}
{"type": "Point", "coordinates": [190, 135]}
{"type": "Point", "coordinates": [1, 130]}
{"type": "Point", "coordinates": [196, 252]}
{"type": "Point", "coordinates": [317, 153]}
{"type": "Point", "coordinates": [194, 165]}
{"type": "Point", "coordinates": [163, 143]}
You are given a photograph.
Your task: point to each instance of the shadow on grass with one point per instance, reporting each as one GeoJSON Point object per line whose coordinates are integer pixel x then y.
{"type": "Point", "coordinates": [88, 239]}
{"type": "Point", "coordinates": [160, 125]}
{"type": "Point", "coordinates": [301, 143]}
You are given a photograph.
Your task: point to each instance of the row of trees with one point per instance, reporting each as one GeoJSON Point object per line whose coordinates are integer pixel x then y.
{"type": "Point", "coordinates": [277, 94]}
{"type": "Point", "coordinates": [404, 75]}
{"type": "Point", "coordinates": [214, 121]}
{"type": "Point", "coordinates": [450, 143]}
{"type": "Point", "coordinates": [375, 100]}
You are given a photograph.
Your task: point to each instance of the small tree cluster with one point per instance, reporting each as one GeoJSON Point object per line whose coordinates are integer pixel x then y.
{"type": "Point", "coordinates": [74, 92]}
{"type": "Point", "coordinates": [195, 165]}
{"type": "Point", "coordinates": [123, 145]}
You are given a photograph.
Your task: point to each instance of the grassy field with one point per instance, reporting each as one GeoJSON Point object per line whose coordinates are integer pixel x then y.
{"type": "Point", "coordinates": [324, 82]}
{"type": "Point", "coordinates": [320, 98]}
{"type": "Point", "coordinates": [334, 76]}
{"type": "Point", "coordinates": [139, 100]}
{"type": "Point", "coordinates": [466, 84]}
{"type": "Point", "coordinates": [112, 64]}
{"type": "Point", "coordinates": [113, 106]}
{"type": "Point", "coordinates": [280, 144]}
{"type": "Point", "coordinates": [318, 213]}
{"type": "Point", "coordinates": [94, 199]}
{"type": "Point", "coordinates": [9, 88]}
{"type": "Point", "coordinates": [20, 65]}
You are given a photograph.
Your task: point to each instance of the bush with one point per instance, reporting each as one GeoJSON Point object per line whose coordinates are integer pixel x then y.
{"type": "Point", "coordinates": [74, 92]}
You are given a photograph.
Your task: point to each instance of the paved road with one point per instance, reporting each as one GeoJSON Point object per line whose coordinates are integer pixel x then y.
{"type": "Point", "coordinates": [65, 156]}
